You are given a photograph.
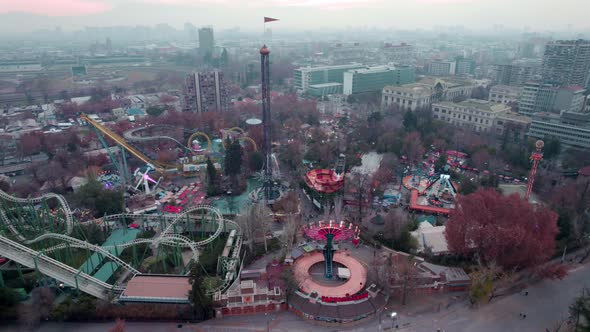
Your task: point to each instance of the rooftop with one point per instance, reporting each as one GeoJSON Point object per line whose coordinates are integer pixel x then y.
{"type": "Point", "coordinates": [157, 287]}
{"type": "Point", "coordinates": [412, 88]}
{"type": "Point", "coordinates": [482, 105]}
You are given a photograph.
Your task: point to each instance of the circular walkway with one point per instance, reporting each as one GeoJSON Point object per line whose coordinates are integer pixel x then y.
{"type": "Point", "coordinates": [358, 275]}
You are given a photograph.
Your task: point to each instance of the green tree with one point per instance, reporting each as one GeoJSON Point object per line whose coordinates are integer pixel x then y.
{"type": "Point", "coordinates": [441, 162]}
{"type": "Point", "coordinates": [211, 178]}
{"type": "Point", "coordinates": [200, 301]}
{"type": "Point", "coordinates": [580, 312]}
{"type": "Point", "coordinates": [102, 201]}
{"type": "Point", "coordinates": [155, 111]}
{"type": "Point", "coordinates": [233, 158]}
{"type": "Point", "coordinates": [255, 161]}
{"type": "Point", "coordinates": [467, 186]}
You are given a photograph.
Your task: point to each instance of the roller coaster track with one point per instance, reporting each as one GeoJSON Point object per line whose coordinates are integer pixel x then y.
{"type": "Point", "coordinates": [83, 244]}
{"type": "Point", "coordinates": [57, 270]}
{"type": "Point", "coordinates": [128, 135]}
{"type": "Point", "coordinates": [159, 166]}
{"type": "Point", "coordinates": [59, 198]}
{"type": "Point", "coordinates": [93, 286]}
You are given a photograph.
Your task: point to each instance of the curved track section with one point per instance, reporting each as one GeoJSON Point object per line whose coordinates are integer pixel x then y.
{"type": "Point", "coordinates": [201, 207]}
{"type": "Point", "coordinates": [55, 269]}
{"type": "Point", "coordinates": [64, 205]}
{"type": "Point", "coordinates": [83, 244]}
{"type": "Point", "coordinates": [129, 136]}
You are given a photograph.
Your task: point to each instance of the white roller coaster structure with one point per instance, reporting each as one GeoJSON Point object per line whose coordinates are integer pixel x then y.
{"type": "Point", "coordinates": [93, 286]}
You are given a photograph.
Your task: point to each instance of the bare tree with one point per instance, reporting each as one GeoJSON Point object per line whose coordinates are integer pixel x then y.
{"type": "Point", "coordinates": [290, 228]}
{"type": "Point", "coordinates": [255, 224]}
{"type": "Point", "coordinates": [405, 274]}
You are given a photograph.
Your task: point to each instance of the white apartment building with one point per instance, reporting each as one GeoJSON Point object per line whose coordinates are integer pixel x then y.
{"type": "Point", "coordinates": [442, 68]}
{"type": "Point", "coordinates": [504, 94]}
{"type": "Point", "coordinates": [478, 115]}
{"type": "Point", "coordinates": [407, 96]}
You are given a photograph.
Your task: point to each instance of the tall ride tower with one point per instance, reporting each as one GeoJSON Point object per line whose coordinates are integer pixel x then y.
{"type": "Point", "coordinates": [265, 71]}
{"type": "Point", "coordinates": [536, 157]}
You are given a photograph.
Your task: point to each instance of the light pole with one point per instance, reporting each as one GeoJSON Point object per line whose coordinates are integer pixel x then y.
{"type": "Point", "coordinates": [393, 318]}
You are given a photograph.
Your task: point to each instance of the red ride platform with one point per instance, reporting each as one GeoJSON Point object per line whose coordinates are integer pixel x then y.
{"type": "Point", "coordinates": [324, 181]}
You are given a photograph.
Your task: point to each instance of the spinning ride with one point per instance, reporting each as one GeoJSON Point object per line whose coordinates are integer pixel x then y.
{"type": "Point", "coordinates": [330, 232]}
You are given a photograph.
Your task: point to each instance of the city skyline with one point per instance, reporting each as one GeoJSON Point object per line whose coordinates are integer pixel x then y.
{"type": "Point", "coordinates": [30, 15]}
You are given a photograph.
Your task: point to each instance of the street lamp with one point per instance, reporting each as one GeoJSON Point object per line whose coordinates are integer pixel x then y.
{"type": "Point", "coordinates": [393, 318]}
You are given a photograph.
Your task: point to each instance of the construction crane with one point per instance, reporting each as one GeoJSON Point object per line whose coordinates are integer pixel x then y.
{"type": "Point", "coordinates": [536, 157]}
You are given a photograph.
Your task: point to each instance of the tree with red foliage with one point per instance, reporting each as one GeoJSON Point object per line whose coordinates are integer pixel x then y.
{"type": "Point", "coordinates": [502, 229]}
{"type": "Point", "coordinates": [552, 271]}
{"type": "Point", "coordinates": [119, 326]}
{"type": "Point", "coordinates": [30, 144]}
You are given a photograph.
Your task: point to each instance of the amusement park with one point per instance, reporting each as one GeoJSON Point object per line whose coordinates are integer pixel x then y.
{"type": "Point", "coordinates": [218, 217]}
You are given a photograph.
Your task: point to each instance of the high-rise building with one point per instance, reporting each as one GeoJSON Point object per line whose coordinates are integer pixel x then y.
{"type": "Point", "coordinates": [442, 68]}
{"type": "Point", "coordinates": [376, 78]}
{"type": "Point", "coordinates": [570, 99]}
{"type": "Point", "coordinates": [567, 62]}
{"type": "Point", "coordinates": [205, 92]}
{"type": "Point", "coordinates": [206, 40]}
{"type": "Point", "coordinates": [517, 73]}
{"type": "Point", "coordinates": [464, 66]}
{"type": "Point", "coordinates": [305, 76]}
{"type": "Point", "coordinates": [536, 97]}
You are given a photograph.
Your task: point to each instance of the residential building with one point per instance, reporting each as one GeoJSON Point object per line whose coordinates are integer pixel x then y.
{"type": "Point", "coordinates": [407, 96]}
{"type": "Point", "coordinates": [550, 125]}
{"type": "Point", "coordinates": [518, 72]}
{"type": "Point", "coordinates": [376, 78]}
{"type": "Point", "coordinates": [536, 97]}
{"type": "Point", "coordinates": [441, 68]}
{"type": "Point", "coordinates": [570, 99]}
{"type": "Point", "coordinates": [504, 94]}
{"type": "Point", "coordinates": [567, 62]}
{"type": "Point", "coordinates": [206, 91]}
{"type": "Point", "coordinates": [464, 66]}
{"type": "Point", "coordinates": [305, 76]}
{"type": "Point", "coordinates": [206, 40]}
{"type": "Point", "coordinates": [477, 115]}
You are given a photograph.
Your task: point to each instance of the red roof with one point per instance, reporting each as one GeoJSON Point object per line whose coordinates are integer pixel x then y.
{"type": "Point", "coordinates": [424, 208]}
{"type": "Point", "coordinates": [172, 287]}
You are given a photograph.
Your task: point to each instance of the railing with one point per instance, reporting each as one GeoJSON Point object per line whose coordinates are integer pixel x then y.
{"type": "Point", "coordinates": [55, 269]}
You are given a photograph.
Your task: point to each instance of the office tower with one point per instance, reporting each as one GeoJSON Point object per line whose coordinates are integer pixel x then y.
{"type": "Point", "coordinates": [206, 40]}
{"type": "Point", "coordinates": [372, 79]}
{"type": "Point", "coordinates": [567, 62]}
{"type": "Point", "coordinates": [517, 73]}
{"type": "Point", "coordinates": [304, 77]}
{"type": "Point", "coordinates": [205, 92]}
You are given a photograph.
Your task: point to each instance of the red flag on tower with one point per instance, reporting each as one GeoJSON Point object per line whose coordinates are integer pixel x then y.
{"type": "Point", "coordinates": [270, 19]}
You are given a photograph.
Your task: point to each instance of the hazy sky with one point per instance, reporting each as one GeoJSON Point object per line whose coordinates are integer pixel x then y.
{"type": "Point", "coordinates": [28, 15]}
